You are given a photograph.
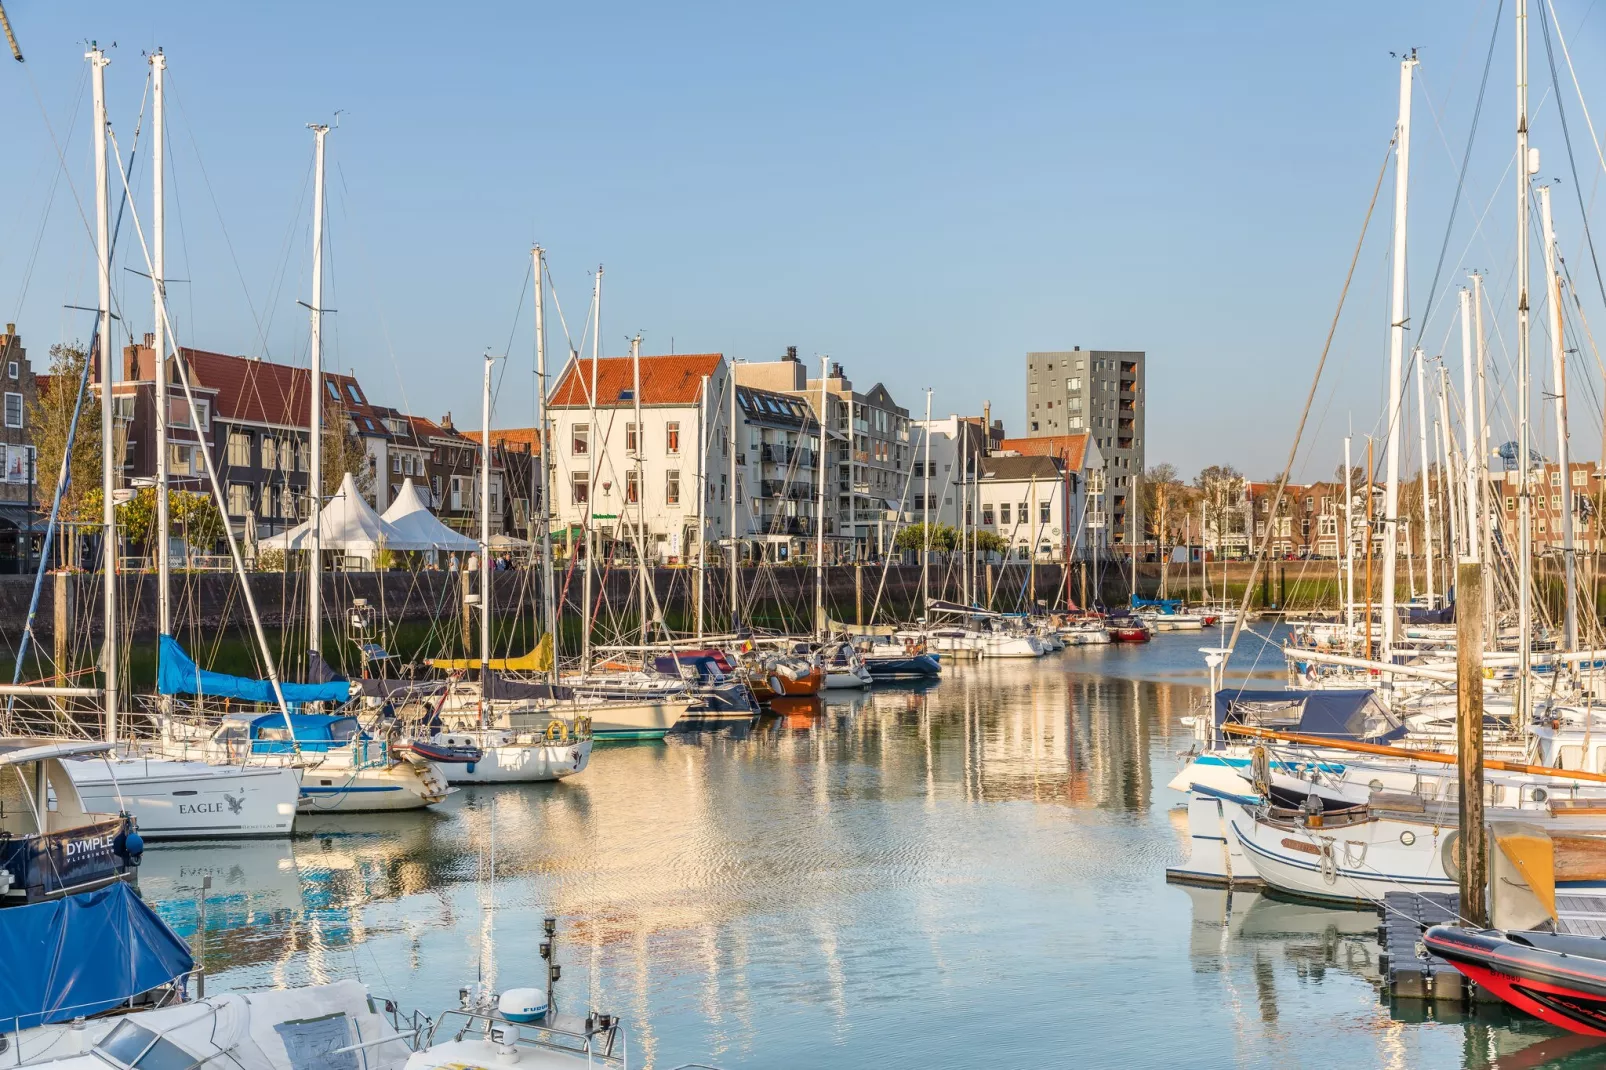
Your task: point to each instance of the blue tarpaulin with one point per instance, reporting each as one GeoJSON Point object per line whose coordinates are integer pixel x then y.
{"type": "Point", "coordinates": [1166, 606]}
{"type": "Point", "coordinates": [176, 674]}
{"type": "Point", "coordinates": [83, 955]}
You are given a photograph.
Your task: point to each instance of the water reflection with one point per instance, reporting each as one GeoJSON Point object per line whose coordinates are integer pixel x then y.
{"type": "Point", "coordinates": [878, 878]}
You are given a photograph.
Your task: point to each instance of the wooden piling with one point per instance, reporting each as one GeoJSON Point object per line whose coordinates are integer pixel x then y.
{"type": "Point", "coordinates": [858, 593]}
{"type": "Point", "coordinates": [62, 634]}
{"type": "Point", "coordinates": [1471, 845]}
{"type": "Point", "coordinates": [989, 585]}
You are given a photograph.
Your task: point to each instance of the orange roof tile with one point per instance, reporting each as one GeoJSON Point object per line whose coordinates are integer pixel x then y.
{"type": "Point", "coordinates": [1072, 449]}
{"type": "Point", "coordinates": [665, 380]}
{"type": "Point", "coordinates": [528, 438]}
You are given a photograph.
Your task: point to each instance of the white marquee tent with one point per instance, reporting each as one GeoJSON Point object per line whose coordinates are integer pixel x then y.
{"type": "Point", "coordinates": [411, 519]}
{"type": "Point", "coordinates": [349, 524]}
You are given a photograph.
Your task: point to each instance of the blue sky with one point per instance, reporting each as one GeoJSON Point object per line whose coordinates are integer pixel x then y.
{"type": "Point", "coordinates": [923, 191]}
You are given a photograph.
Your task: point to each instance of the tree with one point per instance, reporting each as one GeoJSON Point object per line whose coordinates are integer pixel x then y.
{"type": "Point", "coordinates": [193, 517]}
{"type": "Point", "coordinates": [51, 419]}
{"type": "Point", "coordinates": [990, 542]}
{"type": "Point", "coordinates": [1220, 488]}
{"type": "Point", "coordinates": [1167, 502]}
{"type": "Point", "coordinates": [343, 451]}
{"type": "Point", "coordinates": [943, 538]}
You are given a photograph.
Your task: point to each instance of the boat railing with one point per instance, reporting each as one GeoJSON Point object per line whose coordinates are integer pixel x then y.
{"type": "Point", "coordinates": [598, 1037]}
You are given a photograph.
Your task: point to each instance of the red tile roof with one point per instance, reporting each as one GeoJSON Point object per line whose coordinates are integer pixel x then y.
{"type": "Point", "coordinates": [665, 380]}
{"type": "Point", "coordinates": [1072, 449]}
{"type": "Point", "coordinates": [521, 438]}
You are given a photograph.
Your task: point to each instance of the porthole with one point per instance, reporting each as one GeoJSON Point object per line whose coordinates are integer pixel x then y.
{"type": "Point", "coordinates": [1408, 837]}
{"type": "Point", "coordinates": [1375, 785]}
{"type": "Point", "coordinates": [1540, 795]}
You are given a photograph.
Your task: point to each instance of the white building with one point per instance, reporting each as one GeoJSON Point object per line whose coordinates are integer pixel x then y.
{"type": "Point", "coordinates": [669, 477]}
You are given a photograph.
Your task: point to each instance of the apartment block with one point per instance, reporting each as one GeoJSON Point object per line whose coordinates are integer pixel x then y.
{"type": "Point", "coordinates": [1100, 392]}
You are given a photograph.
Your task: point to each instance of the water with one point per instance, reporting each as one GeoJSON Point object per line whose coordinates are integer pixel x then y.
{"type": "Point", "coordinates": [963, 874]}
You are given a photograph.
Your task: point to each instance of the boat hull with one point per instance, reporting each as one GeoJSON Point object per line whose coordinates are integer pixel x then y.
{"type": "Point", "coordinates": [915, 667]}
{"type": "Point", "coordinates": [509, 759]}
{"type": "Point", "coordinates": [1564, 990]}
{"type": "Point", "coordinates": [174, 800]}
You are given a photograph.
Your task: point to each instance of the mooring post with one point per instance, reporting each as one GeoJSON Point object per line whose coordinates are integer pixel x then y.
{"type": "Point", "coordinates": [858, 593]}
{"type": "Point", "coordinates": [63, 623]}
{"type": "Point", "coordinates": [1472, 845]}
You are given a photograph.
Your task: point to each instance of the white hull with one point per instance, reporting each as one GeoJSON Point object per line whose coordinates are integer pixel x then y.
{"type": "Point", "coordinates": [403, 786]}
{"type": "Point", "coordinates": [840, 681]}
{"type": "Point", "coordinates": [191, 800]}
{"type": "Point", "coordinates": [511, 758]}
{"type": "Point", "coordinates": [1011, 646]}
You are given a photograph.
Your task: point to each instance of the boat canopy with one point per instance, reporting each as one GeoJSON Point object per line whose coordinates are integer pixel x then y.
{"type": "Point", "coordinates": [499, 688]}
{"type": "Point", "coordinates": [176, 674]}
{"type": "Point", "coordinates": [1424, 615]}
{"type": "Point", "coordinates": [1166, 606]}
{"type": "Point", "coordinates": [312, 732]}
{"type": "Point", "coordinates": [83, 955]}
{"type": "Point", "coordinates": [1354, 714]}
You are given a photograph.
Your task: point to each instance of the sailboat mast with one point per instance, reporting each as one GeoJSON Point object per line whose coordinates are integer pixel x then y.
{"type": "Point", "coordinates": [164, 564]}
{"type": "Point", "coordinates": [315, 421]}
{"type": "Point", "coordinates": [1558, 375]}
{"type": "Point", "coordinates": [1349, 544]}
{"type": "Point", "coordinates": [593, 439]}
{"type": "Point", "coordinates": [641, 495]}
{"type": "Point", "coordinates": [819, 505]}
{"type": "Point", "coordinates": [485, 526]}
{"type": "Point", "coordinates": [1424, 481]}
{"type": "Point", "coordinates": [1447, 481]}
{"type": "Point", "coordinates": [1469, 429]}
{"type": "Point", "coordinates": [735, 563]}
{"type": "Point", "coordinates": [703, 487]}
{"type": "Point", "coordinates": [925, 514]}
{"type": "Point", "coordinates": [108, 455]}
{"type": "Point", "coordinates": [549, 613]}
{"type": "Point", "coordinates": [1391, 501]}
{"type": "Point", "coordinates": [1524, 504]}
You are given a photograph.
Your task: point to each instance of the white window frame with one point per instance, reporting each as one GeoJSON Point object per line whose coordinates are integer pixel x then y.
{"type": "Point", "coordinates": [10, 420]}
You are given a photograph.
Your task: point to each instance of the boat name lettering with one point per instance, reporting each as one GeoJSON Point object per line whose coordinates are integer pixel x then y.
{"type": "Point", "coordinates": [1298, 845]}
{"type": "Point", "coordinates": [93, 845]}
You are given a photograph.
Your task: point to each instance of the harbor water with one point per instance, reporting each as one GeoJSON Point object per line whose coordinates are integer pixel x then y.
{"type": "Point", "coordinates": [967, 873]}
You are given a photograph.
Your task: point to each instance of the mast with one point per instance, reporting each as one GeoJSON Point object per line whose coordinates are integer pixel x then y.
{"type": "Point", "coordinates": [853, 529]}
{"type": "Point", "coordinates": [549, 613]}
{"type": "Point", "coordinates": [1425, 482]}
{"type": "Point", "coordinates": [1391, 502]}
{"type": "Point", "coordinates": [485, 531]}
{"type": "Point", "coordinates": [315, 432]}
{"type": "Point", "coordinates": [703, 486]}
{"type": "Point", "coordinates": [1524, 373]}
{"type": "Point", "coordinates": [1469, 431]}
{"type": "Point", "coordinates": [593, 439]}
{"type": "Point", "coordinates": [964, 515]}
{"type": "Point", "coordinates": [1558, 375]}
{"type": "Point", "coordinates": [164, 564]}
{"type": "Point", "coordinates": [1447, 481]}
{"type": "Point", "coordinates": [103, 264]}
{"type": "Point", "coordinates": [641, 489]}
{"type": "Point", "coordinates": [1349, 546]}
{"type": "Point", "coordinates": [819, 506]}
{"type": "Point", "coordinates": [1485, 533]}
{"type": "Point", "coordinates": [925, 514]}
{"type": "Point", "coordinates": [735, 564]}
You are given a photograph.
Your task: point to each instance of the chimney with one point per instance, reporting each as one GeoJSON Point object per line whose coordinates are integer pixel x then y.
{"type": "Point", "coordinates": [446, 421]}
{"type": "Point", "coordinates": [134, 358]}
{"type": "Point", "coordinates": [836, 370]}
{"type": "Point", "coordinates": [791, 354]}
{"type": "Point", "coordinates": [1078, 349]}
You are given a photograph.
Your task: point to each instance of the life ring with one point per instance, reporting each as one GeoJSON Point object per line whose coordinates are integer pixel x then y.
{"type": "Point", "coordinates": [557, 731]}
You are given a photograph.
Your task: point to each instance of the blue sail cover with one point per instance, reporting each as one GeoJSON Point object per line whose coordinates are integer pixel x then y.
{"type": "Point", "coordinates": [1166, 606]}
{"type": "Point", "coordinates": [176, 674]}
{"type": "Point", "coordinates": [1351, 714]}
{"type": "Point", "coordinates": [83, 955]}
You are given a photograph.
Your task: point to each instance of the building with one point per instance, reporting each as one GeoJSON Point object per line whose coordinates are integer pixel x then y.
{"type": "Point", "coordinates": [871, 465]}
{"type": "Point", "coordinates": [19, 480]}
{"type": "Point", "coordinates": [777, 473]}
{"type": "Point", "coordinates": [515, 477]}
{"type": "Point", "coordinates": [1101, 392]}
{"type": "Point", "coordinates": [667, 478]}
{"type": "Point", "coordinates": [451, 474]}
{"type": "Point", "coordinates": [1082, 467]}
{"type": "Point", "coordinates": [1587, 497]}
{"type": "Point", "coordinates": [1030, 503]}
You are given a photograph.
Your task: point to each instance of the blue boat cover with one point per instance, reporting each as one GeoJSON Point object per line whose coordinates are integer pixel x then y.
{"type": "Point", "coordinates": [82, 955]}
{"type": "Point", "coordinates": [176, 674]}
{"type": "Point", "coordinates": [317, 732]}
{"type": "Point", "coordinates": [1354, 714]}
{"type": "Point", "coordinates": [1166, 606]}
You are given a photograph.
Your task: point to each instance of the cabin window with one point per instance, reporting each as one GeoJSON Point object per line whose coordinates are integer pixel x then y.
{"type": "Point", "coordinates": [131, 1044]}
{"type": "Point", "coordinates": [1571, 757]}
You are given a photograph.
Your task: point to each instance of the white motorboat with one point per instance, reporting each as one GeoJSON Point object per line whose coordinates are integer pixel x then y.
{"type": "Point", "coordinates": [173, 799]}
{"type": "Point", "coordinates": [516, 757]}
{"type": "Point", "coordinates": [844, 669]}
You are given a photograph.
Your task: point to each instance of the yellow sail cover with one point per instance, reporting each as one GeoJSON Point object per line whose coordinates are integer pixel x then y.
{"type": "Point", "coordinates": [537, 660]}
{"type": "Point", "coordinates": [1529, 849]}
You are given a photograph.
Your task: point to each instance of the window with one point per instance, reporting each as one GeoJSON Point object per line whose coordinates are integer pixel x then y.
{"type": "Point", "coordinates": [580, 440]}
{"type": "Point", "coordinates": [672, 436]}
{"type": "Point", "coordinates": [123, 408]}
{"type": "Point", "coordinates": [240, 449]}
{"type": "Point", "coordinates": [354, 394]}
{"type": "Point", "coordinates": [435, 491]}
{"type": "Point", "coordinates": [239, 499]}
{"type": "Point", "coordinates": [13, 410]}
{"type": "Point", "coordinates": [580, 488]}
{"type": "Point", "coordinates": [672, 484]}
{"type": "Point", "coordinates": [178, 413]}
{"type": "Point", "coordinates": [1511, 503]}
{"type": "Point", "coordinates": [303, 464]}
{"type": "Point", "coordinates": [288, 506]}
{"type": "Point", "coordinates": [13, 370]}
{"type": "Point", "coordinates": [496, 495]}
{"type": "Point", "coordinates": [632, 487]}
{"type": "Point", "coordinates": [1042, 512]}
{"type": "Point", "coordinates": [1555, 501]}
{"type": "Point", "coordinates": [630, 438]}
{"type": "Point", "coordinates": [181, 460]}
{"type": "Point", "coordinates": [987, 515]}
{"type": "Point", "coordinates": [461, 492]}
{"type": "Point", "coordinates": [1003, 513]}
{"type": "Point", "coordinates": [334, 390]}
{"type": "Point", "coordinates": [1555, 478]}
{"type": "Point", "coordinates": [1580, 477]}
{"type": "Point", "coordinates": [267, 501]}
{"type": "Point", "coordinates": [395, 463]}
{"type": "Point", "coordinates": [1025, 517]}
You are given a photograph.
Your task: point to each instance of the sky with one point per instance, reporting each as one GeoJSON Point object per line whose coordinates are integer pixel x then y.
{"type": "Point", "coordinates": [924, 192]}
